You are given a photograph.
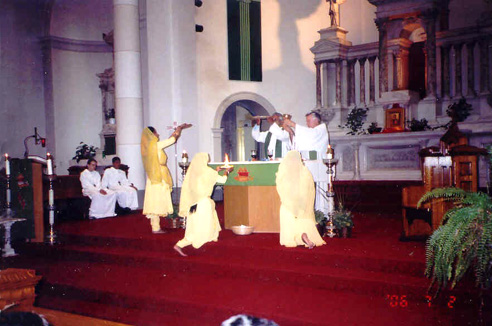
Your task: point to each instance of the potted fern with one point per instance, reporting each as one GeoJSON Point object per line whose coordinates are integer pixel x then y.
{"type": "Point", "coordinates": [463, 242]}
{"type": "Point", "coordinates": [342, 220]}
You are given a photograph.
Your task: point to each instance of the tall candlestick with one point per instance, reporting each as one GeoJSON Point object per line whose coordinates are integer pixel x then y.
{"type": "Point", "coordinates": [51, 200]}
{"type": "Point", "coordinates": [9, 199]}
{"type": "Point", "coordinates": [7, 164]}
{"type": "Point", "coordinates": [49, 163]}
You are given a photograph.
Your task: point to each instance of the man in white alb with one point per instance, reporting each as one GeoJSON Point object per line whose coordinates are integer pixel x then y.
{"type": "Point", "coordinates": [116, 180]}
{"type": "Point", "coordinates": [313, 138]}
{"type": "Point", "coordinates": [103, 201]}
{"type": "Point", "coordinates": [276, 139]}
{"type": "Point", "coordinates": [312, 142]}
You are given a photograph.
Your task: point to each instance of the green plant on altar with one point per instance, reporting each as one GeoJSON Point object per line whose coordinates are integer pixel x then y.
{"type": "Point", "coordinates": [355, 121]}
{"type": "Point", "coordinates": [84, 152]}
{"type": "Point", "coordinates": [418, 125]}
{"type": "Point", "coordinates": [463, 242]}
{"type": "Point", "coordinates": [342, 218]}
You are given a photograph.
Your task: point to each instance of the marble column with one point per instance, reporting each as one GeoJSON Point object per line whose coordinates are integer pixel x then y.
{"type": "Point", "coordinates": [430, 46]}
{"type": "Point", "coordinates": [350, 82]}
{"type": "Point", "coordinates": [372, 81]}
{"type": "Point", "coordinates": [318, 84]}
{"type": "Point", "coordinates": [484, 67]}
{"type": "Point", "coordinates": [445, 80]}
{"type": "Point", "coordinates": [470, 64]}
{"type": "Point", "coordinates": [217, 143]}
{"type": "Point", "coordinates": [362, 83]}
{"type": "Point", "coordinates": [128, 88]}
{"type": "Point", "coordinates": [458, 76]}
{"type": "Point", "coordinates": [325, 97]}
{"type": "Point", "coordinates": [395, 69]}
{"type": "Point", "coordinates": [356, 148]}
{"type": "Point", "coordinates": [381, 24]}
{"type": "Point", "coordinates": [338, 83]}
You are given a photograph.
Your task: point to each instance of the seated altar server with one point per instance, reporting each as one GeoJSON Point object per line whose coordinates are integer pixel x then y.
{"type": "Point", "coordinates": [295, 186]}
{"type": "Point", "coordinates": [276, 139]}
{"type": "Point", "coordinates": [202, 224]}
{"type": "Point", "coordinates": [103, 201]}
{"type": "Point", "coordinates": [116, 180]}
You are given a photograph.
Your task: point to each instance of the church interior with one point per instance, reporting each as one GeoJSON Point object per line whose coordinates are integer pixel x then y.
{"type": "Point", "coordinates": [403, 87]}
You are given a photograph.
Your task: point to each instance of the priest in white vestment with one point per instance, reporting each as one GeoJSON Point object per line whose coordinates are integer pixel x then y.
{"type": "Point", "coordinates": [276, 139]}
{"type": "Point", "coordinates": [116, 180]}
{"type": "Point", "coordinates": [312, 142]}
{"type": "Point", "coordinates": [103, 201]}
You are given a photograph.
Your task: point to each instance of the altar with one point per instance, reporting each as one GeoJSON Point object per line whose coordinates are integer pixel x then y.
{"type": "Point", "coordinates": [250, 194]}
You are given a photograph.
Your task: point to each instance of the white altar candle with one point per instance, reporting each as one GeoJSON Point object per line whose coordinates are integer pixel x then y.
{"type": "Point", "coordinates": [51, 200]}
{"type": "Point", "coordinates": [329, 153]}
{"type": "Point", "coordinates": [9, 199]}
{"type": "Point", "coordinates": [184, 157]}
{"type": "Point", "coordinates": [49, 162]}
{"type": "Point", "coordinates": [7, 164]}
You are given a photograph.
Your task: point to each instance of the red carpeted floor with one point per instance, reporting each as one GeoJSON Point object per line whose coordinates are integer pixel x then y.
{"type": "Point", "coordinates": [116, 269]}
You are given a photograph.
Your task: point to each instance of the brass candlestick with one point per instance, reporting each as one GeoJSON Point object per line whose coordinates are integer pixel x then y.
{"type": "Point", "coordinates": [330, 193]}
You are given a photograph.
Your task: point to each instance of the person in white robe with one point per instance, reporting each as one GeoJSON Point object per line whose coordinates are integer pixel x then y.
{"type": "Point", "coordinates": [312, 142]}
{"type": "Point", "coordinates": [103, 201]}
{"type": "Point", "coordinates": [116, 180]}
{"type": "Point", "coordinates": [276, 139]}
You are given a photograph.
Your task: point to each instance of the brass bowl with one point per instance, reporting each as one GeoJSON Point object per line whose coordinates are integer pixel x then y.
{"type": "Point", "coordinates": [242, 229]}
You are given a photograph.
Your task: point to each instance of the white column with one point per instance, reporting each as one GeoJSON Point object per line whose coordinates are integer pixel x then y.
{"type": "Point", "coordinates": [128, 88]}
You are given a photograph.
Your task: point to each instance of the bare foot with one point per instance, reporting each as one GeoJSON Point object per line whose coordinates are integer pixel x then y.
{"type": "Point", "coordinates": [179, 251]}
{"type": "Point", "coordinates": [308, 242]}
{"type": "Point", "coordinates": [159, 232]}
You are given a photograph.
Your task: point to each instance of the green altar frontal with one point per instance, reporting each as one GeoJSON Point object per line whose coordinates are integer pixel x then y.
{"type": "Point", "coordinates": [258, 173]}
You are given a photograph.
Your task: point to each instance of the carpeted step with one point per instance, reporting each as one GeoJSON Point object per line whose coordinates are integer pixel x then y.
{"type": "Point", "coordinates": [215, 299]}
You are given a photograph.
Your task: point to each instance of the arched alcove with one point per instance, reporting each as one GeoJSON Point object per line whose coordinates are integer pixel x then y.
{"type": "Point", "coordinates": [230, 124]}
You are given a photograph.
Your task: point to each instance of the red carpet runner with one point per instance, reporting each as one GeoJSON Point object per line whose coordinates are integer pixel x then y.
{"type": "Point", "coordinates": [117, 270]}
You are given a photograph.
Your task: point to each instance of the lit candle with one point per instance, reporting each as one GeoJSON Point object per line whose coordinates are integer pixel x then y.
{"type": "Point", "coordinates": [330, 152]}
{"type": "Point", "coordinates": [7, 164]}
{"type": "Point", "coordinates": [184, 157]}
{"type": "Point", "coordinates": [49, 162]}
{"type": "Point", "coordinates": [226, 161]}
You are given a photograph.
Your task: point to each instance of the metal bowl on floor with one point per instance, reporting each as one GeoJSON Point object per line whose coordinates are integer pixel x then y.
{"type": "Point", "coordinates": [242, 229]}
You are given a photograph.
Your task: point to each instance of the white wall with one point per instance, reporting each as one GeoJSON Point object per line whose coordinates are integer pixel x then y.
{"type": "Point", "coordinates": [76, 94]}
{"type": "Point", "coordinates": [77, 101]}
{"type": "Point", "coordinates": [289, 30]}
{"type": "Point", "coordinates": [21, 76]}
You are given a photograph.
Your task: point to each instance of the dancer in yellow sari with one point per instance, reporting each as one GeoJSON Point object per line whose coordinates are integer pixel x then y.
{"type": "Point", "coordinates": [202, 224]}
{"type": "Point", "coordinates": [157, 201]}
{"type": "Point", "coordinates": [295, 187]}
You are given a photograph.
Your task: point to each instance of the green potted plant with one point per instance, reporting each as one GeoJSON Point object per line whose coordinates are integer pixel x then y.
{"type": "Point", "coordinates": [373, 128]}
{"type": "Point", "coordinates": [418, 125]}
{"type": "Point", "coordinates": [355, 121]}
{"type": "Point", "coordinates": [320, 218]}
{"type": "Point", "coordinates": [84, 152]}
{"type": "Point", "coordinates": [464, 240]}
{"type": "Point", "coordinates": [342, 220]}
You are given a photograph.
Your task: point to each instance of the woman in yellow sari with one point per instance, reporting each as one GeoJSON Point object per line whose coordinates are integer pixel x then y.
{"type": "Point", "coordinates": [202, 224]}
{"type": "Point", "coordinates": [157, 201]}
{"type": "Point", "coordinates": [295, 186]}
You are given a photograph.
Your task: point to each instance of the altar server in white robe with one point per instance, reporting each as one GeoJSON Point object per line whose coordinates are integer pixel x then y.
{"type": "Point", "coordinates": [103, 201]}
{"type": "Point", "coordinates": [276, 139]}
{"type": "Point", "coordinates": [116, 180]}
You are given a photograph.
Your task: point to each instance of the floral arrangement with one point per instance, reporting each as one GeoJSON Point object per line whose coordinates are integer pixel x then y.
{"type": "Point", "coordinates": [355, 121]}
{"type": "Point", "coordinates": [84, 152]}
{"type": "Point", "coordinates": [342, 218]}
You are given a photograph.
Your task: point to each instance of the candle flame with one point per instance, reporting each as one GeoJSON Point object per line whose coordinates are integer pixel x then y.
{"type": "Point", "coordinates": [226, 161]}
{"type": "Point", "coordinates": [184, 151]}
{"type": "Point", "coordinates": [6, 156]}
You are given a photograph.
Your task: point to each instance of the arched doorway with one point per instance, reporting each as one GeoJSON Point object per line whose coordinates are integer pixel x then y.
{"type": "Point", "coordinates": [232, 128]}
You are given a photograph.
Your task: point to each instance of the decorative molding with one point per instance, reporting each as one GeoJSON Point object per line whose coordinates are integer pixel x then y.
{"type": "Point", "coordinates": [61, 43]}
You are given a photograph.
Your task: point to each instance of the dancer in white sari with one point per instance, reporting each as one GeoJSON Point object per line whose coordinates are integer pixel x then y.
{"type": "Point", "coordinates": [103, 201]}
{"type": "Point", "coordinates": [116, 180]}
